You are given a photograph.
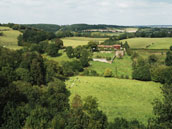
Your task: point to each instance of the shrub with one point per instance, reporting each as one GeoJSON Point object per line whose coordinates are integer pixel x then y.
{"type": "Point", "coordinates": [108, 58]}
{"type": "Point", "coordinates": [161, 74]}
{"type": "Point", "coordinates": [70, 52]}
{"type": "Point", "coordinates": [126, 77]}
{"type": "Point", "coordinates": [168, 60]}
{"type": "Point", "coordinates": [52, 50]}
{"type": "Point", "coordinates": [93, 73]}
{"type": "Point", "coordinates": [142, 73]}
{"type": "Point", "coordinates": [108, 73]}
{"type": "Point", "coordinates": [152, 59]}
{"type": "Point", "coordinates": [122, 76]}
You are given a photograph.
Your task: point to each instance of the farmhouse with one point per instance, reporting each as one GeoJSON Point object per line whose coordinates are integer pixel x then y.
{"type": "Point", "coordinates": [117, 46]}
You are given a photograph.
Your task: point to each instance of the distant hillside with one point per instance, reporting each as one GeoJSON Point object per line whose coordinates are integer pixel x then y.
{"type": "Point", "coordinates": [45, 27]}
{"type": "Point", "coordinates": [81, 27]}
{"type": "Point", "coordinates": [73, 27]}
{"type": "Point", "coordinates": [154, 26]}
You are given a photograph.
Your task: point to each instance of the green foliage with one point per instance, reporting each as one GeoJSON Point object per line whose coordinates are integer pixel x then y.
{"type": "Point", "coordinates": [163, 109]}
{"type": "Point", "coordinates": [52, 50]}
{"type": "Point", "coordinates": [86, 114]}
{"type": "Point", "coordinates": [141, 70]}
{"type": "Point", "coordinates": [121, 123]}
{"type": "Point", "coordinates": [23, 74]}
{"type": "Point", "coordinates": [93, 45]}
{"type": "Point", "coordinates": [77, 51]}
{"type": "Point", "coordinates": [45, 27]}
{"type": "Point", "coordinates": [53, 70]}
{"type": "Point", "coordinates": [152, 59]}
{"type": "Point", "coordinates": [88, 72]}
{"type": "Point", "coordinates": [72, 67]}
{"type": "Point", "coordinates": [34, 36]}
{"type": "Point", "coordinates": [84, 59]}
{"type": "Point", "coordinates": [70, 52]}
{"type": "Point", "coordinates": [168, 60]}
{"type": "Point", "coordinates": [160, 73]}
{"type": "Point", "coordinates": [108, 72]}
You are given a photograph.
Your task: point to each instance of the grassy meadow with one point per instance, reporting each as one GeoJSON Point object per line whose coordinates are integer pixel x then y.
{"type": "Point", "coordinates": [118, 97]}
{"type": "Point", "coordinates": [9, 38]}
{"type": "Point", "coordinates": [145, 53]}
{"type": "Point", "coordinates": [62, 57]}
{"type": "Point", "coordinates": [76, 41]}
{"type": "Point", "coordinates": [155, 43]}
{"type": "Point", "coordinates": [119, 67]}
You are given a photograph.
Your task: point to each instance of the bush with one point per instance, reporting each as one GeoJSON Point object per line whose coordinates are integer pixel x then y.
{"type": "Point", "coordinates": [161, 74]}
{"type": "Point", "coordinates": [90, 73]}
{"type": "Point", "coordinates": [108, 58]}
{"type": "Point", "coordinates": [142, 73]}
{"type": "Point", "coordinates": [126, 77]}
{"type": "Point", "coordinates": [70, 52]}
{"type": "Point", "coordinates": [52, 50]}
{"type": "Point", "coordinates": [122, 76]}
{"type": "Point", "coordinates": [93, 73]}
{"type": "Point", "coordinates": [108, 73]}
{"type": "Point", "coordinates": [134, 55]}
{"type": "Point", "coordinates": [168, 60]}
{"type": "Point", "coordinates": [152, 59]}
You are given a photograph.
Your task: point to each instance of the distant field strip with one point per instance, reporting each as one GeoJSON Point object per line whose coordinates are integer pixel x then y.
{"type": "Point", "coordinates": [130, 99]}
{"type": "Point", "coordinates": [152, 43]}
{"type": "Point", "coordinates": [9, 38]}
{"type": "Point", "coordinates": [76, 41]}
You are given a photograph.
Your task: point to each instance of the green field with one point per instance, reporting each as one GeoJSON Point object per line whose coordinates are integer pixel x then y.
{"type": "Point", "coordinates": [119, 67]}
{"type": "Point", "coordinates": [76, 41]}
{"type": "Point", "coordinates": [145, 53]}
{"type": "Point", "coordinates": [155, 43]}
{"type": "Point", "coordinates": [61, 58]}
{"type": "Point", "coordinates": [118, 97]}
{"type": "Point", "coordinates": [9, 38]}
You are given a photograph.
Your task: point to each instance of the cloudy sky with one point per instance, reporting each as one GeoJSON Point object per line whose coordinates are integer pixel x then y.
{"type": "Point", "coordinates": [119, 12]}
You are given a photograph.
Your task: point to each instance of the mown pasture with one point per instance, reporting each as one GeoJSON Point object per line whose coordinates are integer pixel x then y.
{"type": "Point", "coordinates": [149, 43]}
{"type": "Point", "coordinates": [119, 67]}
{"type": "Point", "coordinates": [76, 41]}
{"type": "Point", "coordinates": [9, 38]}
{"type": "Point", "coordinates": [130, 99]}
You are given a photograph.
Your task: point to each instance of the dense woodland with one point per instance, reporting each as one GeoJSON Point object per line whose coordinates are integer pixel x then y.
{"type": "Point", "coordinates": [33, 94]}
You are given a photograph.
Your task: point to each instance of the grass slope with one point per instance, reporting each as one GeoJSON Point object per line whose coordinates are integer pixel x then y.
{"type": "Point", "coordinates": [61, 58]}
{"type": "Point", "coordinates": [118, 97]}
{"type": "Point", "coordinates": [76, 41]}
{"type": "Point", "coordinates": [155, 43]}
{"type": "Point", "coordinates": [119, 67]}
{"type": "Point", "coordinates": [9, 38]}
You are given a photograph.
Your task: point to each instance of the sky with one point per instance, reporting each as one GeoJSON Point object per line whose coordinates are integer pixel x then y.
{"type": "Point", "coordinates": [63, 12]}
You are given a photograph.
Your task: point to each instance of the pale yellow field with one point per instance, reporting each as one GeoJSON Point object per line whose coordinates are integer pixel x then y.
{"type": "Point", "coordinates": [76, 41]}
{"type": "Point", "coordinates": [9, 38]}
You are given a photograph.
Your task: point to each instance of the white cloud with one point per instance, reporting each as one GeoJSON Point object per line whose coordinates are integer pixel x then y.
{"type": "Point", "coordinates": [123, 12]}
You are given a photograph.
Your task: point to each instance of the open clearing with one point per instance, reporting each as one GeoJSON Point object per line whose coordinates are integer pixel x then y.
{"type": "Point", "coordinates": [76, 41]}
{"type": "Point", "coordinates": [118, 97]}
{"type": "Point", "coordinates": [155, 43]}
{"type": "Point", "coordinates": [119, 67]}
{"type": "Point", "coordinates": [59, 59]}
{"type": "Point", "coordinates": [9, 38]}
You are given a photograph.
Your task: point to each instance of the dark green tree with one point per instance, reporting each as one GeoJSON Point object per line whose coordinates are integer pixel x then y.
{"type": "Point", "coordinates": [152, 59]}
{"type": "Point", "coordinates": [70, 52]}
{"type": "Point", "coordinates": [163, 109]}
{"type": "Point", "coordinates": [84, 59]}
{"type": "Point", "coordinates": [52, 50]}
{"type": "Point", "coordinates": [168, 60]}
